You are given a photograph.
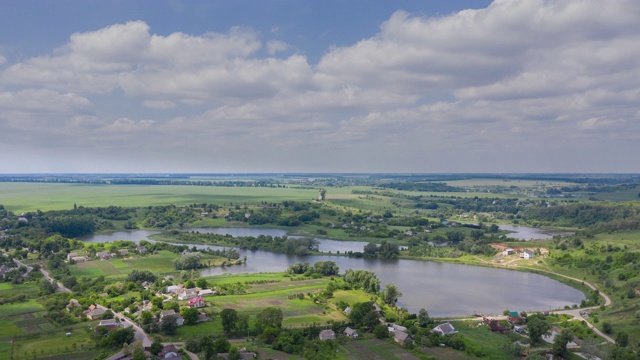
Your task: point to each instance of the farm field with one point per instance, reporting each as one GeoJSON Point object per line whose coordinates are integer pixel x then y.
{"type": "Point", "coordinates": [23, 197]}
{"type": "Point", "coordinates": [373, 349]}
{"type": "Point", "coordinates": [297, 313]}
{"type": "Point", "coordinates": [57, 344]}
{"type": "Point", "coordinates": [161, 263]}
{"type": "Point", "coordinates": [118, 269]}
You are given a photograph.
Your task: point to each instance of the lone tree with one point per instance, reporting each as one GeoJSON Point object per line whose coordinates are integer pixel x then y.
{"type": "Point", "coordinates": [423, 318]}
{"type": "Point", "coordinates": [538, 326]}
{"type": "Point", "coordinates": [560, 342]}
{"type": "Point", "coordinates": [229, 318]}
{"type": "Point", "coordinates": [390, 294]}
{"type": "Point", "coordinates": [169, 324]}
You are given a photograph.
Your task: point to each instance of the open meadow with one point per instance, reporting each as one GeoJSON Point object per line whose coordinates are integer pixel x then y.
{"type": "Point", "coordinates": [23, 197]}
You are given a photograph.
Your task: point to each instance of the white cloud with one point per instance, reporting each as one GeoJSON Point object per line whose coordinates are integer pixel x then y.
{"type": "Point", "coordinates": [276, 46]}
{"type": "Point", "coordinates": [43, 101]}
{"type": "Point", "coordinates": [126, 126]}
{"type": "Point", "coordinates": [513, 76]}
{"type": "Point", "coordinates": [159, 104]}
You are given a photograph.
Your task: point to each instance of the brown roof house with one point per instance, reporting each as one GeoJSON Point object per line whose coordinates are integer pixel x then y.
{"type": "Point", "coordinates": [402, 337]}
{"type": "Point", "coordinates": [95, 312]}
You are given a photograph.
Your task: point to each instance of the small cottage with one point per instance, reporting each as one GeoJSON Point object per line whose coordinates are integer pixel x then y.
{"type": "Point", "coordinates": [402, 337]}
{"type": "Point", "coordinates": [444, 329]}
{"type": "Point", "coordinates": [327, 335]}
{"type": "Point", "coordinates": [349, 332]}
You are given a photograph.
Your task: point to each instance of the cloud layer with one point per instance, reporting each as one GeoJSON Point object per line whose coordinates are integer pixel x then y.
{"type": "Point", "coordinates": [521, 86]}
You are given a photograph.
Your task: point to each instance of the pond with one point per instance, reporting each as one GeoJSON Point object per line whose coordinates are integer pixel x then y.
{"type": "Point", "coordinates": [529, 233]}
{"type": "Point", "coordinates": [443, 289]}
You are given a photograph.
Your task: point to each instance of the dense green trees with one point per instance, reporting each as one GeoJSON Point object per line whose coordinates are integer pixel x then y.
{"type": "Point", "coordinates": [364, 315]}
{"type": "Point", "coordinates": [538, 326]}
{"type": "Point", "coordinates": [229, 318]}
{"type": "Point", "coordinates": [363, 279]}
{"type": "Point", "coordinates": [269, 317]}
{"type": "Point", "coordinates": [141, 276]}
{"type": "Point", "coordinates": [190, 261]}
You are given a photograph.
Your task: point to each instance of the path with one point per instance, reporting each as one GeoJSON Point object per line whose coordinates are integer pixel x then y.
{"type": "Point", "coordinates": [46, 276]}
{"type": "Point", "coordinates": [572, 312]}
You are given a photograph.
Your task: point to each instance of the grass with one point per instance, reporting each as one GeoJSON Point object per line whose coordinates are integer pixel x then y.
{"type": "Point", "coordinates": [296, 312]}
{"type": "Point", "coordinates": [160, 263]}
{"type": "Point", "coordinates": [373, 349]}
{"type": "Point", "coordinates": [8, 290]}
{"type": "Point", "coordinates": [56, 343]}
{"type": "Point", "coordinates": [23, 197]}
{"type": "Point", "coordinates": [489, 344]}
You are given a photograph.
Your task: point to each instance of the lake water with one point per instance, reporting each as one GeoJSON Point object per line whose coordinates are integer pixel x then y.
{"type": "Point", "coordinates": [443, 289]}
{"type": "Point", "coordinates": [529, 233]}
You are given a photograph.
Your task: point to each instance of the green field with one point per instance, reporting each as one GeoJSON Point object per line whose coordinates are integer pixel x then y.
{"type": "Point", "coordinates": [373, 349]}
{"type": "Point", "coordinates": [56, 343]}
{"type": "Point", "coordinates": [161, 263]}
{"type": "Point", "coordinates": [23, 197]}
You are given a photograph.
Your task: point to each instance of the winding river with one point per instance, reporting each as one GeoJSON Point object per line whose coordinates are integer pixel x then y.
{"type": "Point", "coordinates": [443, 289]}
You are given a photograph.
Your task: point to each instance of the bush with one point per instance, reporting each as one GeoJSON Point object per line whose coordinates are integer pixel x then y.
{"type": "Point", "coordinates": [607, 327]}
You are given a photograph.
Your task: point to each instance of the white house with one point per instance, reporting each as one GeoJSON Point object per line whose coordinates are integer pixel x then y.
{"type": "Point", "coordinates": [508, 252]}
{"type": "Point", "coordinates": [444, 329]}
{"type": "Point", "coordinates": [527, 254]}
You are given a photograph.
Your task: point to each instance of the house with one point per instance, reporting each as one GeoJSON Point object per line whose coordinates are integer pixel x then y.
{"type": "Point", "coordinates": [508, 252]}
{"type": "Point", "coordinates": [376, 307]}
{"type": "Point", "coordinates": [527, 254]}
{"type": "Point", "coordinates": [171, 289]}
{"type": "Point", "coordinates": [444, 329]}
{"type": "Point", "coordinates": [206, 292]}
{"type": "Point", "coordinates": [197, 302]}
{"type": "Point", "coordinates": [202, 317]}
{"type": "Point", "coordinates": [78, 259]}
{"type": "Point", "coordinates": [402, 337]}
{"type": "Point", "coordinates": [123, 252]}
{"type": "Point", "coordinates": [349, 332]}
{"type": "Point", "coordinates": [179, 318]}
{"type": "Point", "coordinates": [104, 255]}
{"type": "Point", "coordinates": [186, 294]}
{"type": "Point", "coordinates": [169, 352]}
{"type": "Point", "coordinates": [514, 317]}
{"type": "Point", "coordinates": [347, 311]}
{"type": "Point", "coordinates": [204, 214]}
{"type": "Point", "coordinates": [109, 324]}
{"type": "Point", "coordinates": [396, 327]}
{"type": "Point", "coordinates": [141, 249]}
{"type": "Point", "coordinates": [327, 335]}
{"type": "Point", "coordinates": [95, 312]}
{"type": "Point", "coordinates": [71, 255]}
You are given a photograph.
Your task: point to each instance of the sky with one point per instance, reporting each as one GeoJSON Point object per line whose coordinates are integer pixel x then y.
{"type": "Point", "coordinates": [170, 86]}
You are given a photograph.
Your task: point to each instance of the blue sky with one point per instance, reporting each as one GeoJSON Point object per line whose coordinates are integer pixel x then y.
{"type": "Point", "coordinates": [319, 86]}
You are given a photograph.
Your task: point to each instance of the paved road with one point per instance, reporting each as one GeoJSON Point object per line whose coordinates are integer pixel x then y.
{"type": "Point", "coordinates": [60, 286]}
{"type": "Point", "coordinates": [46, 276]}
{"type": "Point", "coordinates": [140, 334]}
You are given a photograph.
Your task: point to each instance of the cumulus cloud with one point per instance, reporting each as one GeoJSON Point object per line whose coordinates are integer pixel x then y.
{"type": "Point", "coordinates": [514, 75]}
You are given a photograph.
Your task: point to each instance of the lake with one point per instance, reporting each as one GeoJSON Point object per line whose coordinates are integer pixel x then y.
{"type": "Point", "coordinates": [529, 233]}
{"type": "Point", "coordinates": [443, 289]}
